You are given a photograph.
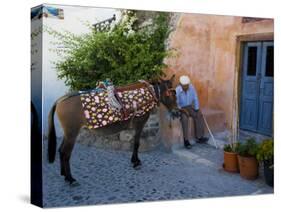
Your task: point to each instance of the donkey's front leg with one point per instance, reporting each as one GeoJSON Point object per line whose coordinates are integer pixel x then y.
{"type": "Point", "coordinates": [135, 159]}
{"type": "Point", "coordinates": [139, 125]}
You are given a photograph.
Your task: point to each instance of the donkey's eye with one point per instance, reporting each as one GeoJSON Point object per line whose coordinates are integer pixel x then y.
{"type": "Point", "coordinates": [167, 93]}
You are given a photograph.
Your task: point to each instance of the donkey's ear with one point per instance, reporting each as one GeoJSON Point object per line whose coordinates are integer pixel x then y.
{"type": "Point", "coordinates": [161, 80]}
{"type": "Point", "coordinates": [154, 80]}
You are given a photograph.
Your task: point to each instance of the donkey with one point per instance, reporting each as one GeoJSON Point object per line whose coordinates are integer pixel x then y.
{"type": "Point", "coordinates": [71, 117]}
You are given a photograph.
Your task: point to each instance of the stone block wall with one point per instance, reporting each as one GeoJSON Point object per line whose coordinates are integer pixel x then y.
{"type": "Point", "coordinates": [150, 137]}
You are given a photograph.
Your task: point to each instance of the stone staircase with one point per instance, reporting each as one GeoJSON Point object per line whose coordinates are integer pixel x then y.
{"type": "Point", "coordinates": [124, 140]}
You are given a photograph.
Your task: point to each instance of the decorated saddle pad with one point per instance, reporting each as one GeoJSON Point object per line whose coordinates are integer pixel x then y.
{"type": "Point", "coordinates": [100, 113]}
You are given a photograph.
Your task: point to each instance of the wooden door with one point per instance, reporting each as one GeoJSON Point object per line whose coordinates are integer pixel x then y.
{"type": "Point", "coordinates": [257, 87]}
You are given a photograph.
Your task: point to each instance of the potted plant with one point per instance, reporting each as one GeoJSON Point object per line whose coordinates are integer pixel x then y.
{"type": "Point", "coordinates": [230, 158]}
{"type": "Point", "coordinates": [248, 164]}
{"type": "Point", "coordinates": [265, 155]}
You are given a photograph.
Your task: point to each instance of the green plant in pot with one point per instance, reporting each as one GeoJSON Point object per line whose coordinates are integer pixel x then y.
{"type": "Point", "coordinates": [230, 157]}
{"type": "Point", "coordinates": [265, 155]}
{"type": "Point", "coordinates": [248, 164]}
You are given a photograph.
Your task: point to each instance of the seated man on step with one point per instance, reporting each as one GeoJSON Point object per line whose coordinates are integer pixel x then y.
{"type": "Point", "coordinates": [188, 103]}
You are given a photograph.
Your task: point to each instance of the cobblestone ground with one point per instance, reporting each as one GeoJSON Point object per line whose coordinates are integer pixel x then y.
{"type": "Point", "coordinates": [107, 177]}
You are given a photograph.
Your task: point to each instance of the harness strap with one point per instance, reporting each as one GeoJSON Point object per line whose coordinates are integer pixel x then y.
{"type": "Point", "coordinates": [151, 90]}
{"type": "Point", "coordinates": [123, 110]}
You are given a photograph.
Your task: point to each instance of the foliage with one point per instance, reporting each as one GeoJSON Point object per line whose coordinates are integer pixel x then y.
{"type": "Point", "coordinates": [249, 148]}
{"type": "Point", "coordinates": [265, 151]}
{"type": "Point", "coordinates": [231, 147]}
{"type": "Point", "coordinates": [122, 52]}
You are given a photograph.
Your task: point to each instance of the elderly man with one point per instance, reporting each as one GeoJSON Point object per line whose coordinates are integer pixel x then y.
{"type": "Point", "coordinates": [188, 103]}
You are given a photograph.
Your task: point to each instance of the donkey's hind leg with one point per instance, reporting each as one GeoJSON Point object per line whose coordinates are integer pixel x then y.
{"type": "Point", "coordinates": [65, 152]}
{"type": "Point", "coordinates": [62, 167]}
{"type": "Point", "coordinates": [71, 117]}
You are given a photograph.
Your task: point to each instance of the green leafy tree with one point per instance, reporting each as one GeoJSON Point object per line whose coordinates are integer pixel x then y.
{"type": "Point", "coordinates": [124, 52]}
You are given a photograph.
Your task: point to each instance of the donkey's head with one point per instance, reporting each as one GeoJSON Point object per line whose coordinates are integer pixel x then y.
{"type": "Point", "coordinates": [166, 93]}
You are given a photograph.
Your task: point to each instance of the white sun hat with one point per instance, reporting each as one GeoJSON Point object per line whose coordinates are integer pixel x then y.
{"type": "Point", "coordinates": [184, 80]}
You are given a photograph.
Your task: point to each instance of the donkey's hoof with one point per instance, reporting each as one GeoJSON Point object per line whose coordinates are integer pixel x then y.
{"type": "Point", "coordinates": [71, 181]}
{"type": "Point", "coordinates": [137, 164]}
{"type": "Point", "coordinates": [74, 183]}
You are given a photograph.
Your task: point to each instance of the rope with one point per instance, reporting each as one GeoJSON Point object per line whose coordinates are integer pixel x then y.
{"type": "Point", "coordinates": [170, 124]}
{"type": "Point", "coordinates": [135, 112]}
{"type": "Point", "coordinates": [112, 101]}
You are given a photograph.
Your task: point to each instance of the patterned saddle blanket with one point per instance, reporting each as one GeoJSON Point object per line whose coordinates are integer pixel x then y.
{"type": "Point", "coordinates": [135, 101]}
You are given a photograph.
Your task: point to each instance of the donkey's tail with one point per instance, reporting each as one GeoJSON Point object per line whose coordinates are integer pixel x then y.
{"type": "Point", "coordinates": [52, 138]}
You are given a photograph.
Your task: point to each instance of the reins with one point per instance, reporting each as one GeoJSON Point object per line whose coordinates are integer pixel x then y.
{"type": "Point", "coordinates": [167, 90]}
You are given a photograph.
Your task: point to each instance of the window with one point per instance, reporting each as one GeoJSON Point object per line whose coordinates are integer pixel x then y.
{"type": "Point", "coordinates": [269, 61]}
{"type": "Point", "coordinates": [252, 61]}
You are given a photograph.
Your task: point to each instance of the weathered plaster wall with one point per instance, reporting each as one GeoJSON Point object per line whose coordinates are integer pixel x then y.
{"type": "Point", "coordinates": [206, 51]}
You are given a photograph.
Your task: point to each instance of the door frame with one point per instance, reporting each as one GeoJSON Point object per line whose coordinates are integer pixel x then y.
{"type": "Point", "coordinates": [240, 40]}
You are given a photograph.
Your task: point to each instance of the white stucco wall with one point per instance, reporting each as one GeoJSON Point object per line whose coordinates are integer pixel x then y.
{"type": "Point", "coordinates": [74, 16]}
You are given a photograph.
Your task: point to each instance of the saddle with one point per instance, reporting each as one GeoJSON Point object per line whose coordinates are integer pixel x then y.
{"type": "Point", "coordinates": [130, 87]}
{"type": "Point", "coordinates": [134, 99]}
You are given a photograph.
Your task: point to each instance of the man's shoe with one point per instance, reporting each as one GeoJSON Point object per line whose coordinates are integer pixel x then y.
{"type": "Point", "coordinates": [187, 145]}
{"type": "Point", "coordinates": [202, 140]}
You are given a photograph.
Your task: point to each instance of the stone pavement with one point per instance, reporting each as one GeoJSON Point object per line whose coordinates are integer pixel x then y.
{"type": "Point", "coordinates": [107, 176]}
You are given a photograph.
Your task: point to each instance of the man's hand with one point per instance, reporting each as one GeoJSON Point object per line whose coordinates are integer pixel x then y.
{"type": "Point", "coordinates": [184, 111]}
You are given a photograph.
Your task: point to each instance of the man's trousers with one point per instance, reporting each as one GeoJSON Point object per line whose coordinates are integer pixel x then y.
{"type": "Point", "coordinates": [197, 116]}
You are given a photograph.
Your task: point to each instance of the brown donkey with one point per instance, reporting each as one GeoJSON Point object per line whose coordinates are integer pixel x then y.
{"type": "Point", "coordinates": [71, 117]}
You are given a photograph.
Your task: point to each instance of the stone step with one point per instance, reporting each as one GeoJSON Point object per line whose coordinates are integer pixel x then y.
{"type": "Point", "coordinates": [215, 119]}
{"type": "Point", "coordinates": [171, 129]}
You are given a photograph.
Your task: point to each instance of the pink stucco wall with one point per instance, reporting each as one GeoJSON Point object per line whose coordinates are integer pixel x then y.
{"type": "Point", "coordinates": [206, 52]}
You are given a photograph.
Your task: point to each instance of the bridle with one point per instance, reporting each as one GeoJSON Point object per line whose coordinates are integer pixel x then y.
{"type": "Point", "coordinates": [158, 94]}
{"type": "Point", "coordinates": [168, 91]}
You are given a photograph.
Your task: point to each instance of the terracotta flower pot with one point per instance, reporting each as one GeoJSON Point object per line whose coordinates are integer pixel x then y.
{"type": "Point", "coordinates": [231, 162]}
{"type": "Point", "coordinates": [249, 167]}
